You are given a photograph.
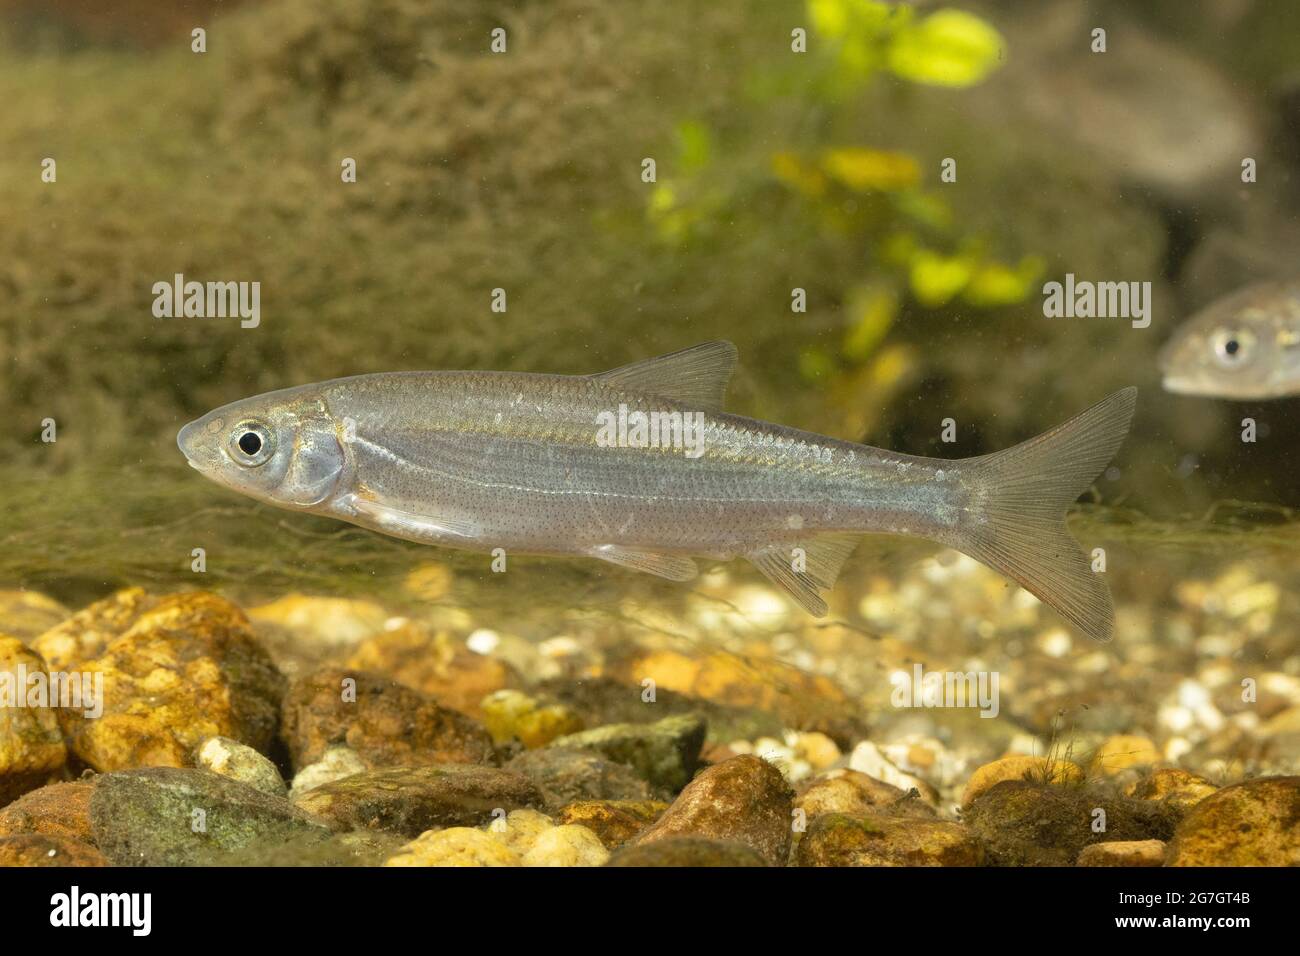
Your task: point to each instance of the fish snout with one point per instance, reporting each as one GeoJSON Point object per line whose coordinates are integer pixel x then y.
{"type": "Point", "coordinates": [186, 441]}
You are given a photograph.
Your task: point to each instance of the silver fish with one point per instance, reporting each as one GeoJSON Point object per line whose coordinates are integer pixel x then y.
{"type": "Point", "coordinates": [1243, 346]}
{"type": "Point", "coordinates": [527, 463]}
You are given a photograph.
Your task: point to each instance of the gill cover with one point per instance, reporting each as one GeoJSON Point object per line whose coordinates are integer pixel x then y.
{"type": "Point", "coordinates": [316, 465]}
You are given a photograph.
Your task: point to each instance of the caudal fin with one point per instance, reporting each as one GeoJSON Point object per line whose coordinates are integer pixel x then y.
{"type": "Point", "coordinates": [1023, 494]}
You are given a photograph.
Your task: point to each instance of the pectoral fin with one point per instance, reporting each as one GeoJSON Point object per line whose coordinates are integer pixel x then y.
{"type": "Point", "coordinates": [671, 566]}
{"type": "Point", "coordinates": [806, 569]}
{"type": "Point", "coordinates": [411, 525]}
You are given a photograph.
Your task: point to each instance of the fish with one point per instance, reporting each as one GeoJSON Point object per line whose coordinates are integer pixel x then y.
{"type": "Point", "coordinates": [561, 465]}
{"type": "Point", "coordinates": [1243, 346]}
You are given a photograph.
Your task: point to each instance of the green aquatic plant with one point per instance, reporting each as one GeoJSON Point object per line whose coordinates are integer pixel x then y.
{"type": "Point", "coordinates": [883, 214]}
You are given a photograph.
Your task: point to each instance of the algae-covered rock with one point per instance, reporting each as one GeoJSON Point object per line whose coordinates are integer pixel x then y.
{"type": "Point", "coordinates": [186, 669]}
{"type": "Point", "coordinates": [455, 846]}
{"type": "Point", "coordinates": [1123, 853]}
{"type": "Point", "coordinates": [57, 810]}
{"type": "Point", "coordinates": [168, 816]}
{"type": "Point", "coordinates": [1019, 767]}
{"type": "Point", "coordinates": [436, 664]}
{"type": "Point", "coordinates": [664, 753]}
{"type": "Point", "coordinates": [880, 839]}
{"type": "Point", "coordinates": [744, 800]}
{"type": "Point", "coordinates": [43, 849]}
{"type": "Point", "coordinates": [568, 775]}
{"type": "Point", "coordinates": [848, 791]}
{"type": "Point", "coordinates": [239, 762]}
{"type": "Point", "coordinates": [1026, 823]}
{"type": "Point", "coordinates": [683, 851]}
{"type": "Point", "coordinates": [513, 715]}
{"type": "Point", "coordinates": [385, 723]}
{"type": "Point", "coordinates": [613, 821]}
{"type": "Point", "coordinates": [31, 744]}
{"type": "Point", "coordinates": [1255, 823]}
{"type": "Point", "coordinates": [410, 800]}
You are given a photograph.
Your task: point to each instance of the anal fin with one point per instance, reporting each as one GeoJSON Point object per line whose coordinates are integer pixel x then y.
{"type": "Point", "coordinates": [805, 569]}
{"type": "Point", "coordinates": [671, 566]}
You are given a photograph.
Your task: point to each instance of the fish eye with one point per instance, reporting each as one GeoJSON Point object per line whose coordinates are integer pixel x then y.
{"type": "Point", "coordinates": [1232, 346]}
{"type": "Point", "coordinates": [251, 444]}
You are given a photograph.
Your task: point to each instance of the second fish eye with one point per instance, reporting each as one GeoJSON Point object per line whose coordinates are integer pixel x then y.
{"type": "Point", "coordinates": [250, 443]}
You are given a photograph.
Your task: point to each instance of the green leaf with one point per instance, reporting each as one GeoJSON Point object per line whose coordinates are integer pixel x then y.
{"type": "Point", "coordinates": [947, 48]}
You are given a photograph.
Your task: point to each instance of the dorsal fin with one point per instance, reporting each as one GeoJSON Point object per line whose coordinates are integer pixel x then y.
{"type": "Point", "coordinates": [696, 377]}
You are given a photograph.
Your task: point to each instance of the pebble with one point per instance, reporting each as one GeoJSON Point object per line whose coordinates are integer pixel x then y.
{"type": "Point", "coordinates": [568, 775]}
{"type": "Point", "coordinates": [613, 821]}
{"type": "Point", "coordinates": [1027, 823]}
{"type": "Point", "coordinates": [513, 715]}
{"type": "Point", "coordinates": [664, 753]}
{"type": "Point", "coordinates": [42, 849]}
{"type": "Point", "coordinates": [232, 759]}
{"type": "Point", "coordinates": [455, 846]}
{"type": "Point", "coordinates": [519, 829]}
{"type": "Point", "coordinates": [31, 742]}
{"type": "Point", "coordinates": [387, 724]}
{"type": "Point", "coordinates": [410, 800]}
{"type": "Point", "coordinates": [567, 845]}
{"type": "Point", "coordinates": [87, 633]}
{"type": "Point", "coordinates": [168, 816]}
{"type": "Point", "coordinates": [1123, 853]}
{"type": "Point", "coordinates": [433, 663]}
{"type": "Point", "coordinates": [56, 810]}
{"type": "Point", "coordinates": [867, 758]}
{"type": "Point", "coordinates": [336, 763]}
{"type": "Point", "coordinates": [1177, 788]}
{"type": "Point", "coordinates": [1019, 767]}
{"type": "Point", "coordinates": [743, 800]}
{"type": "Point", "coordinates": [851, 792]}
{"type": "Point", "coordinates": [878, 839]}
{"type": "Point", "coordinates": [188, 667]}
{"type": "Point", "coordinates": [28, 614]}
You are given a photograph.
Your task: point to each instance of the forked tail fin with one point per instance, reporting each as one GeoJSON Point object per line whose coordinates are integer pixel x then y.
{"type": "Point", "coordinates": [1023, 495]}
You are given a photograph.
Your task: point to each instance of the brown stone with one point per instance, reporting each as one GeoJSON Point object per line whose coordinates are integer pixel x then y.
{"type": "Point", "coordinates": [613, 821]}
{"type": "Point", "coordinates": [57, 810]}
{"type": "Point", "coordinates": [387, 724]}
{"type": "Point", "coordinates": [743, 800]}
